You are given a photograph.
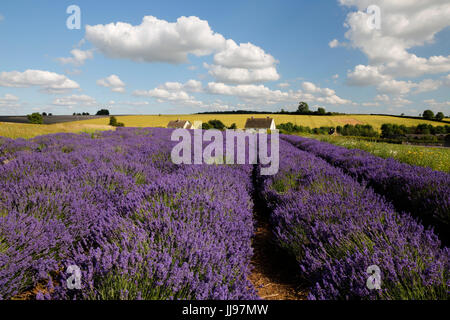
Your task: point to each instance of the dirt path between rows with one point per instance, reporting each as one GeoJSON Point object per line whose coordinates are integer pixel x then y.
{"type": "Point", "coordinates": [274, 274]}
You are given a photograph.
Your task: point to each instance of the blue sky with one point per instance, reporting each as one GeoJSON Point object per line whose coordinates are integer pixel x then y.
{"type": "Point", "coordinates": [158, 57]}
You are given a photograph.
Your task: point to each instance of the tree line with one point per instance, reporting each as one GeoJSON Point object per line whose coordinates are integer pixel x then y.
{"type": "Point", "coordinates": [365, 130]}
{"type": "Point", "coordinates": [393, 130]}
{"type": "Point", "coordinates": [361, 130]}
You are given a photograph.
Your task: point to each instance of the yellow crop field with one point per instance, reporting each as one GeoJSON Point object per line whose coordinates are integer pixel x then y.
{"type": "Point", "coordinates": [17, 130]}
{"type": "Point", "coordinates": [22, 130]}
{"type": "Point", "coordinates": [228, 119]}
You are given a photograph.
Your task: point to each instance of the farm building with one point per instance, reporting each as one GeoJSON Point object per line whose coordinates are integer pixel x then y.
{"type": "Point", "coordinates": [180, 124]}
{"type": "Point", "coordinates": [260, 123]}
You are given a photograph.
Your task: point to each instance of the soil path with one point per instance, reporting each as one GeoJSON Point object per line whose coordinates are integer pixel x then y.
{"type": "Point", "coordinates": [274, 274]}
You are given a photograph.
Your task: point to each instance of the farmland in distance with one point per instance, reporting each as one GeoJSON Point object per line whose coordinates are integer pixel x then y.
{"type": "Point", "coordinates": [239, 120]}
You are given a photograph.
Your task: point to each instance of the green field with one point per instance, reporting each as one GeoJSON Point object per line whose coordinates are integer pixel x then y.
{"type": "Point", "coordinates": [433, 157]}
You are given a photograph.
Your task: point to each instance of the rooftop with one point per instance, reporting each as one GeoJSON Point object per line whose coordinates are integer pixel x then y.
{"type": "Point", "coordinates": [258, 123]}
{"type": "Point", "coordinates": [177, 124]}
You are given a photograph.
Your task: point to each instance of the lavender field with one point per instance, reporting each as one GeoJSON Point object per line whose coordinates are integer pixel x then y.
{"type": "Point", "coordinates": [140, 227]}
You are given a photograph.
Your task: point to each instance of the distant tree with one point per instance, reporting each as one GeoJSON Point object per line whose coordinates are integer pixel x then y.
{"type": "Point", "coordinates": [112, 121]}
{"type": "Point", "coordinates": [439, 130]}
{"type": "Point", "coordinates": [428, 114]}
{"type": "Point", "coordinates": [402, 115]}
{"type": "Point", "coordinates": [35, 118]}
{"type": "Point", "coordinates": [303, 107]}
{"type": "Point", "coordinates": [359, 130]}
{"type": "Point", "coordinates": [217, 124]}
{"type": "Point", "coordinates": [206, 126]}
{"type": "Point", "coordinates": [439, 116]}
{"type": "Point", "coordinates": [44, 114]}
{"type": "Point", "coordinates": [103, 112]}
{"type": "Point", "coordinates": [424, 128]}
{"type": "Point", "coordinates": [50, 114]}
{"type": "Point", "coordinates": [393, 130]}
{"type": "Point", "coordinates": [233, 126]}
{"type": "Point", "coordinates": [321, 111]}
{"type": "Point", "coordinates": [74, 114]}
{"type": "Point", "coordinates": [387, 130]}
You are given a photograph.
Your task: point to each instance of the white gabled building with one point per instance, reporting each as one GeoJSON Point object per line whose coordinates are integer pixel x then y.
{"type": "Point", "coordinates": [180, 124]}
{"type": "Point", "coordinates": [260, 123]}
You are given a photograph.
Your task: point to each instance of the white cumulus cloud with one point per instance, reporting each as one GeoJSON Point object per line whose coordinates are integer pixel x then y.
{"type": "Point", "coordinates": [371, 76]}
{"type": "Point", "coordinates": [334, 43]}
{"type": "Point", "coordinates": [190, 86]}
{"type": "Point", "coordinates": [395, 87]}
{"type": "Point", "coordinates": [78, 57]}
{"type": "Point", "coordinates": [249, 92]}
{"type": "Point", "coordinates": [428, 85]}
{"type": "Point", "coordinates": [404, 24]}
{"type": "Point", "coordinates": [73, 100]}
{"type": "Point", "coordinates": [173, 92]}
{"type": "Point", "coordinates": [49, 82]}
{"type": "Point", "coordinates": [447, 80]}
{"type": "Point", "coordinates": [113, 82]}
{"type": "Point", "coordinates": [242, 75]}
{"type": "Point", "coordinates": [443, 106]}
{"type": "Point", "coordinates": [243, 64]}
{"type": "Point", "coordinates": [9, 100]}
{"type": "Point", "coordinates": [396, 101]}
{"type": "Point", "coordinates": [156, 40]}
{"type": "Point", "coordinates": [245, 55]}
{"type": "Point", "coordinates": [366, 76]}
{"type": "Point", "coordinates": [129, 103]}
{"type": "Point", "coordinates": [260, 94]}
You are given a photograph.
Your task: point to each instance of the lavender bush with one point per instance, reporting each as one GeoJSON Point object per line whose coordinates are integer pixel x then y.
{"type": "Point", "coordinates": [418, 190]}
{"type": "Point", "coordinates": [138, 226]}
{"type": "Point", "coordinates": [141, 227]}
{"type": "Point", "coordinates": [336, 228]}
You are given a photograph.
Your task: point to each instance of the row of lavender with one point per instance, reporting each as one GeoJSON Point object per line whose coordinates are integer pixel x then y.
{"type": "Point", "coordinates": [114, 205]}
{"type": "Point", "coordinates": [421, 191]}
{"type": "Point", "coordinates": [336, 228]}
